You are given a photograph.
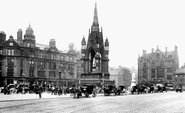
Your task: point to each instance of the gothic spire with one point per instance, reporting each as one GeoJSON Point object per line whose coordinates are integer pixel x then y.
{"type": "Point", "coordinates": [95, 26]}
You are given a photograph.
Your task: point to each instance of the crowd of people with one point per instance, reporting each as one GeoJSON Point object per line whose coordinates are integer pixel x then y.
{"type": "Point", "coordinates": [37, 88]}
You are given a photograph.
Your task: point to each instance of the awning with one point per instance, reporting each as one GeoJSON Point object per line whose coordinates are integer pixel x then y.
{"type": "Point", "coordinates": [180, 71]}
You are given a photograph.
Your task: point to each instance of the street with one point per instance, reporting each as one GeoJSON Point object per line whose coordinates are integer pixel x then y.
{"type": "Point", "coordinates": [170, 102]}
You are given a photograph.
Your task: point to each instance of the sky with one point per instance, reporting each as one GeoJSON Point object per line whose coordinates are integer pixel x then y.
{"type": "Point", "coordinates": [131, 26]}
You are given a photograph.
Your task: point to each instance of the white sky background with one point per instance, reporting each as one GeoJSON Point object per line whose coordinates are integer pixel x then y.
{"type": "Point", "coordinates": [130, 25]}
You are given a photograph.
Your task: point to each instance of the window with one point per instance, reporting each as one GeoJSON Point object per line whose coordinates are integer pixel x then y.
{"type": "Point", "coordinates": [10, 44]}
{"type": "Point", "coordinates": [31, 73]}
{"type": "Point", "coordinates": [144, 71]}
{"type": "Point", "coordinates": [21, 52]}
{"type": "Point", "coordinates": [41, 65]}
{"type": "Point", "coordinates": [10, 61]}
{"type": "Point", "coordinates": [21, 63]}
{"type": "Point", "coordinates": [66, 58]}
{"type": "Point", "coordinates": [52, 65]}
{"type": "Point", "coordinates": [169, 77]}
{"type": "Point", "coordinates": [41, 74]}
{"type": "Point", "coordinates": [61, 67]}
{"type": "Point", "coordinates": [160, 73]}
{"type": "Point", "coordinates": [61, 57]}
{"type": "Point", "coordinates": [51, 56]}
{"type": "Point", "coordinates": [162, 63]}
{"type": "Point", "coordinates": [28, 45]}
{"type": "Point", "coordinates": [1, 51]}
{"type": "Point", "coordinates": [153, 64]}
{"type": "Point", "coordinates": [10, 72]}
{"type": "Point", "coordinates": [31, 63]}
{"type": "Point", "coordinates": [32, 54]}
{"type": "Point", "coordinates": [170, 57]}
{"type": "Point", "coordinates": [169, 70]}
{"type": "Point", "coordinates": [10, 52]}
{"type": "Point", "coordinates": [52, 74]}
{"type": "Point", "coordinates": [144, 64]}
{"type": "Point", "coordinates": [157, 55]}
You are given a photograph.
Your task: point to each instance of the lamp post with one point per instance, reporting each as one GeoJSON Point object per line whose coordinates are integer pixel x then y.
{"type": "Point", "coordinates": [23, 91]}
{"type": "Point", "coordinates": [103, 77]}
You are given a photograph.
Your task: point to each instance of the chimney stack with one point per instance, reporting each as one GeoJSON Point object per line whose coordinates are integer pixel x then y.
{"type": "Point", "coordinates": [152, 50]}
{"type": "Point", "coordinates": [19, 37]}
{"type": "Point", "coordinates": [2, 37]}
{"type": "Point", "coordinates": [176, 48]}
{"type": "Point", "coordinates": [52, 43]}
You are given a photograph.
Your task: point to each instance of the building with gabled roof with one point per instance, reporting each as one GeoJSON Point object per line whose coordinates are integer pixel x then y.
{"type": "Point", "coordinates": [23, 59]}
{"type": "Point", "coordinates": [158, 66]}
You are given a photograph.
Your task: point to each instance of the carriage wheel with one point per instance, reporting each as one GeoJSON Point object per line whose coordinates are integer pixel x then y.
{"type": "Point", "coordinates": [86, 94]}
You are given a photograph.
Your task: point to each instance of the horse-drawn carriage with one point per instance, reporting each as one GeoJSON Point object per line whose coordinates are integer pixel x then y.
{"type": "Point", "coordinates": [85, 90]}
{"type": "Point", "coordinates": [121, 90]}
{"type": "Point", "coordinates": [109, 89]}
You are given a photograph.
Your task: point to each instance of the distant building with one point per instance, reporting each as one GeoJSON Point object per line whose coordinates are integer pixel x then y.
{"type": "Point", "coordinates": [158, 66]}
{"type": "Point", "coordinates": [121, 76]}
{"type": "Point", "coordinates": [25, 60]}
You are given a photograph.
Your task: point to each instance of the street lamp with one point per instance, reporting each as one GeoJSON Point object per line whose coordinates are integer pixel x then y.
{"type": "Point", "coordinates": [103, 77]}
{"type": "Point", "coordinates": [23, 91]}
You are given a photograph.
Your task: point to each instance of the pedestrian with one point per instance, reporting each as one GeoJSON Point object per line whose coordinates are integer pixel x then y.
{"type": "Point", "coordinates": [40, 91]}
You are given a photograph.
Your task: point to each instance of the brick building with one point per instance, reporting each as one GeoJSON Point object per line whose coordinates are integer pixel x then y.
{"type": "Point", "coordinates": [22, 59]}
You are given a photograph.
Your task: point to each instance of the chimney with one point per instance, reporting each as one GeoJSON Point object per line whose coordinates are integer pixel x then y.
{"type": "Point", "coordinates": [2, 37]}
{"type": "Point", "coordinates": [176, 48]}
{"type": "Point", "coordinates": [52, 43]}
{"type": "Point", "coordinates": [166, 49]}
{"type": "Point", "coordinates": [152, 50]}
{"type": "Point", "coordinates": [19, 37]}
{"type": "Point", "coordinates": [71, 46]}
{"type": "Point", "coordinates": [144, 52]}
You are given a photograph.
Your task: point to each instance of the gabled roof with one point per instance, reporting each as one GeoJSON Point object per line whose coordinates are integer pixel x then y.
{"type": "Point", "coordinates": [166, 55]}
{"type": "Point", "coordinates": [53, 48]}
{"type": "Point", "coordinates": [11, 40]}
{"type": "Point", "coordinates": [72, 51]}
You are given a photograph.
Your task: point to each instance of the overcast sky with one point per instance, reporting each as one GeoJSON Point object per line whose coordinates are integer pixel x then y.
{"type": "Point", "coordinates": [130, 25]}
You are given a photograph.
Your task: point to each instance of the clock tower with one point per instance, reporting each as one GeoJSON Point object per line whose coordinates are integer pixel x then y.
{"type": "Point", "coordinates": [95, 61]}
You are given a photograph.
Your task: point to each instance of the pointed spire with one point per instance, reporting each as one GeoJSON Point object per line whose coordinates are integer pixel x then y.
{"type": "Point", "coordinates": [95, 19]}
{"type": "Point", "coordinates": [95, 26]}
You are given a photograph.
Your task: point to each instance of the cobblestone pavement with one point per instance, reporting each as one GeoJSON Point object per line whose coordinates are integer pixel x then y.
{"type": "Point", "coordinates": [170, 102]}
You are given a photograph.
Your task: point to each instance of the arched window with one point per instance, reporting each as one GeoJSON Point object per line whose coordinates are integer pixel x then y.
{"type": "Point", "coordinates": [158, 55]}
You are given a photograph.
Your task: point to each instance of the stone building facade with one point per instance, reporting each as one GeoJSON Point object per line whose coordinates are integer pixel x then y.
{"type": "Point", "coordinates": [158, 66]}
{"type": "Point", "coordinates": [22, 59]}
{"type": "Point", "coordinates": [95, 56]}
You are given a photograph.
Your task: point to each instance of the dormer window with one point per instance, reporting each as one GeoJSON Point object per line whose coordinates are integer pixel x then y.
{"type": "Point", "coordinates": [10, 44]}
{"type": "Point", "coordinates": [28, 44]}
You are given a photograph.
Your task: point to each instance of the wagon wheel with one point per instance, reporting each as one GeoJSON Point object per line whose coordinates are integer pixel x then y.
{"type": "Point", "coordinates": [86, 94]}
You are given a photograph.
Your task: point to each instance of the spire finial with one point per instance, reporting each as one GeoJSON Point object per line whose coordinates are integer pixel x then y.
{"type": "Point", "coordinates": [29, 24]}
{"type": "Point", "coordinates": [95, 26]}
